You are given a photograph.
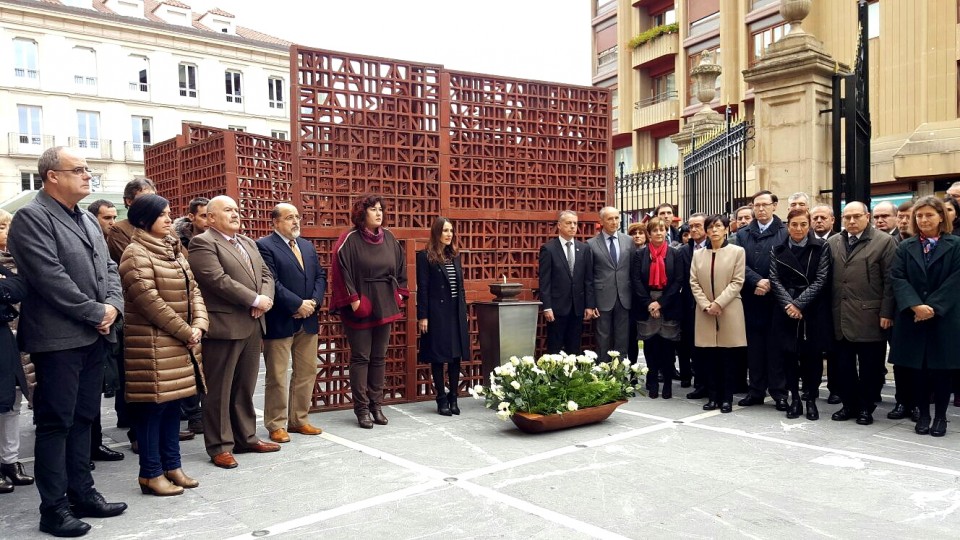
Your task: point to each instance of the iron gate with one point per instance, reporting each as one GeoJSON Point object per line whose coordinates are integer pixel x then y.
{"type": "Point", "coordinates": [715, 170]}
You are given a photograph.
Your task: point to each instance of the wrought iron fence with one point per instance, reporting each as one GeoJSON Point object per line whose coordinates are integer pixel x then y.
{"type": "Point", "coordinates": [642, 191]}
{"type": "Point", "coordinates": [715, 170]}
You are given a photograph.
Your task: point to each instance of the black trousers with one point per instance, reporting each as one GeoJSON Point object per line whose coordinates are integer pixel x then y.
{"type": "Point", "coordinates": [861, 371]}
{"type": "Point", "coordinates": [766, 367]}
{"type": "Point", "coordinates": [633, 341]}
{"type": "Point", "coordinates": [658, 353]}
{"type": "Point", "coordinates": [685, 358]}
{"type": "Point", "coordinates": [66, 401]}
{"type": "Point", "coordinates": [939, 382]}
{"type": "Point", "coordinates": [563, 334]}
{"type": "Point", "coordinates": [805, 367]}
{"type": "Point", "coordinates": [722, 362]}
{"type": "Point", "coordinates": [905, 380]}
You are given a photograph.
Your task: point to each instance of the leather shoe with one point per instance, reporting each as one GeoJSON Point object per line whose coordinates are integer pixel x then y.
{"type": "Point", "coordinates": [697, 394]}
{"type": "Point", "coordinates": [865, 418]}
{"type": "Point", "coordinates": [782, 405]}
{"type": "Point", "coordinates": [186, 435]}
{"type": "Point", "coordinates": [259, 447]}
{"type": "Point", "coordinates": [224, 460]}
{"type": "Point", "coordinates": [363, 418]}
{"type": "Point", "coordinates": [833, 399]}
{"type": "Point", "coordinates": [939, 427]}
{"type": "Point", "coordinates": [915, 414]}
{"type": "Point", "coordinates": [750, 400]}
{"type": "Point", "coordinates": [279, 436]}
{"type": "Point", "coordinates": [667, 393]}
{"type": "Point", "coordinates": [710, 406]}
{"type": "Point", "coordinates": [6, 486]}
{"type": "Point", "coordinates": [305, 429]}
{"type": "Point", "coordinates": [103, 453]}
{"type": "Point", "coordinates": [62, 523]}
{"type": "Point", "coordinates": [196, 426]}
{"type": "Point", "coordinates": [96, 506]}
{"type": "Point", "coordinates": [14, 471]}
{"type": "Point", "coordinates": [842, 415]}
{"type": "Point", "coordinates": [898, 412]}
{"type": "Point", "coordinates": [812, 412]}
{"type": "Point", "coordinates": [726, 407]}
{"type": "Point", "coordinates": [795, 410]}
{"type": "Point", "coordinates": [923, 426]}
{"type": "Point", "coordinates": [159, 486]}
{"type": "Point", "coordinates": [180, 478]}
{"type": "Point", "coordinates": [653, 394]}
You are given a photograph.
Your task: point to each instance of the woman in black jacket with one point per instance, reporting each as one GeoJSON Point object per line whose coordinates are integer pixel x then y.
{"type": "Point", "coordinates": [442, 312]}
{"type": "Point", "coordinates": [13, 383]}
{"type": "Point", "coordinates": [656, 275]}
{"type": "Point", "coordinates": [802, 323]}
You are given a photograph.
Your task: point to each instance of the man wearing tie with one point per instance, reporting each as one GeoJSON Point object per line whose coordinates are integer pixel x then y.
{"type": "Point", "coordinates": [611, 252]}
{"type": "Point", "coordinates": [566, 286]}
{"type": "Point", "coordinates": [292, 325]}
{"type": "Point", "coordinates": [237, 289]}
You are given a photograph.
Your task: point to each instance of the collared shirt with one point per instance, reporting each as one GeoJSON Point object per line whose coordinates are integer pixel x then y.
{"type": "Point", "coordinates": [801, 243]}
{"type": "Point", "coordinates": [285, 239]}
{"type": "Point", "coordinates": [616, 242]}
{"type": "Point", "coordinates": [824, 237]}
{"type": "Point", "coordinates": [764, 227]}
{"type": "Point", "coordinates": [230, 238]}
{"type": "Point", "coordinates": [700, 245]}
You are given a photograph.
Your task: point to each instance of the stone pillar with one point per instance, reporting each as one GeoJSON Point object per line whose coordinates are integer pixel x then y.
{"type": "Point", "coordinates": [792, 85]}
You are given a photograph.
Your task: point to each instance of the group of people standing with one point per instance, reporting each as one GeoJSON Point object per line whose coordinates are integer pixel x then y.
{"type": "Point", "coordinates": [773, 300]}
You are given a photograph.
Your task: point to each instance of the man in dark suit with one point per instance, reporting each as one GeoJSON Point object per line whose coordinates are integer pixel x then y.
{"type": "Point", "coordinates": [685, 348]}
{"type": "Point", "coordinates": [566, 286]}
{"type": "Point", "coordinates": [237, 289]}
{"type": "Point", "coordinates": [611, 251]}
{"type": "Point", "coordinates": [822, 220]}
{"type": "Point", "coordinates": [758, 239]}
{"type": "Point", "coordinates": [65, 324]}
{"type": "Point", "coordinates": [292, 325]}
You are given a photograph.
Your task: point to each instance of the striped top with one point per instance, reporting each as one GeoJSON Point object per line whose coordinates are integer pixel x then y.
{"type": "Point", "coordinates": [451, 272]}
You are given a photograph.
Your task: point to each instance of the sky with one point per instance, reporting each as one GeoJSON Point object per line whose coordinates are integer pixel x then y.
{"type": "Point", "coordinates": [545, 40]}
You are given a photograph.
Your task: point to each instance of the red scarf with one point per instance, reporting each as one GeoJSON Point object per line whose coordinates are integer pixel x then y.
{"type": "Point", "coordinates": [658, 266]}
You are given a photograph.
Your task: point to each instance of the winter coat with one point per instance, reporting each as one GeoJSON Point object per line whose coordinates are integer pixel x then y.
{"type": "Point", "coordinates": [717, 276]}
{"type": "Point", "coordinates": [757, 247]}
{"type": "Point", "coordinates": [162, 304]}
{"type": "Point", "coordinates": [446, 337]}
{"type": "Point", "coordinates": [12, 289]}
{"type": "Point", "coordinates": [29, 371]}
{"type": "Point", "coordinates": [862, 291]}
{"type": "Point", "coordinates": [802, 280]}
{"type": "Point", "coordinates": [935, 284]}
{"type": "Point", "coordinates": [671, 301]}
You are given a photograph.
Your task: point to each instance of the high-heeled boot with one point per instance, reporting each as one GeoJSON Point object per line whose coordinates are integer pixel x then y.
{"type": "Point", "coordinates": [452, 400]}
{"type": "Point", "coordinates": [179, 478]}
{"type": "Point", "coordinates": [14, 472]}
{"type": "Point", "coordinates": [159, 486]}
{"type": "Point", "coordinates": [443, 407]}
{"type": "Point", "coordinates": [377, 413]}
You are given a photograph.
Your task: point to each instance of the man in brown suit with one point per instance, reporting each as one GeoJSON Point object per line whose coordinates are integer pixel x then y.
{"type": "Point", "coordinates": [237, 289]}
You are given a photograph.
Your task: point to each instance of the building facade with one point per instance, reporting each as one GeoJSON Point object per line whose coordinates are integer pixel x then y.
{"type": "Point", "coordinates": [109, 77]}
{"type": "Point", "coordinates": [914, 58]}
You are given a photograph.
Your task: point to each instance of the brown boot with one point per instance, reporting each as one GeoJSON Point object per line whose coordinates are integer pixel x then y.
{"type": "Point", "coordinates": [159, 486]}
{"type": "Point", "coordinates": [378, 417]}
{"type": "Point", "coordinates": [179, 478]}
{"type": "Point", "coordinates": [363, 418]}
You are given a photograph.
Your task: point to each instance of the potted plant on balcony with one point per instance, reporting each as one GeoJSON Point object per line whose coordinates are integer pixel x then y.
{"type": "Point", "coordinates": [560, 390]}
{"type": "Point", "coordinates": [652, 33]}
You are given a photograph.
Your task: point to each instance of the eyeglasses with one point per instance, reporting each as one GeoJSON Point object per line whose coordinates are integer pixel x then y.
{"type": "Point", "coordinates": [853, 217]}
{"type": "Point", "coordinates": [76, 170]}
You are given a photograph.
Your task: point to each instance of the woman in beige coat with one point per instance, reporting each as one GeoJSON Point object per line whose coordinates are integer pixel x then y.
{"type": "Point", "coordinates": [164, 319]}
{"type": "Point", "coordinates": [716, 277]}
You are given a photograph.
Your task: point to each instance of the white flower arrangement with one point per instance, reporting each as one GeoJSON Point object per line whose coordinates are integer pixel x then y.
{"type": "Point", "coordinates": [559, 383]}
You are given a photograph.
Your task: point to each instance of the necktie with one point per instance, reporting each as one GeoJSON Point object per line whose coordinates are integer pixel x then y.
{"type": "Point", "coordinates": [697, 246]}
{"type": "Point", "coordinates": [296, 252]}
{"type": "Point", "coordinates": [243, 253]}
{"type": "Point", "coordinates": [570, 257]}
{"type": "Point", "coordinates": [613, 251]}
{"type": "Point", "coordinates": [852, 242]}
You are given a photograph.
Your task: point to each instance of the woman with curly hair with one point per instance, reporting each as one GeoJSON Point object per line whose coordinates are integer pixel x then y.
{"type": "Point", "coordinates": [369, 285]}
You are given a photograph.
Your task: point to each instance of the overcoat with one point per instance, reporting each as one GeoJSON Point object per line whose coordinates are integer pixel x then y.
{"type": "Point", "coordinates": [757, 247]}
{"type": "Point", "coordinates": [162, 306]}
{"type": "Point", "coordinates": [937, 285]}
{"type": "Point", "coordinates": [671, 302]}
{"type": "Point", "coordinates": [862, 291]}
{"type": "Point", "coordinates": [802, 280]}
{"type": "Point", "coordinates": [717, 276]}
{"type": "Point", "coordinates": [12, 290]}
{"type": "Point", "coordinates": [446, 337]}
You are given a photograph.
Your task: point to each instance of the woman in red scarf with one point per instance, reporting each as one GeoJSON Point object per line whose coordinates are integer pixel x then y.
{"type": "Point", "coordinates": [656, 275]}
{"type": "Point", "coordinates": [369, 285]}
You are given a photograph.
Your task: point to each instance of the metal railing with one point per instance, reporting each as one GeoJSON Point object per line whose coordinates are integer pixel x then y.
{"type": "Point", "coordinates": [641, 192]}
{"type": "Point", "coordinates": [715, 170]}
{"type": "Point", "coordinates": [95, 148]}
{"type": "Point", "coordinates": [653, 100]}
{"type": "Point", "coordinates": [133, 151]}
{"type": "Point", "coordinates": [28, 143]}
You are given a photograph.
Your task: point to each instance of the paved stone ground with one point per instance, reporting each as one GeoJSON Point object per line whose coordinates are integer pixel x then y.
{"type": "Point", "coordinates": [655, 469]}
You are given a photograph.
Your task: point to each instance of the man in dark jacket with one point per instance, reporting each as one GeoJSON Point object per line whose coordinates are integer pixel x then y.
{"type": "Point", "coordinates": [65, 323]}
{"type": "Point", "coordinates": [566, 286]}
{"type": "Point", "coordinates": [292, 325]}
{"type": "Point", "coordinates": [758, 239]}
{"type": "Point", "coordinates": [192, 224]}
{"type": "Point", "coordinates": [686, 352]}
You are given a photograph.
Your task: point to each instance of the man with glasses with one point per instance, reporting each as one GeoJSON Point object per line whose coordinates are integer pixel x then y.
{"type": "Point", "coordinates": [65, 324]}
{"type": "Point", "coordinates": [884, 217]}
{"type": "Point", "coordinates": [758, 239]}
{"type": "Point", "coordinates": [863, 309]}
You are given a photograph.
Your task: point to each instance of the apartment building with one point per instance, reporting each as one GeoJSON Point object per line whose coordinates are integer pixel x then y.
{"type": "Point", "coordinates": [109, 77]}
{"type": "Point", "coordinates": [914, 54]}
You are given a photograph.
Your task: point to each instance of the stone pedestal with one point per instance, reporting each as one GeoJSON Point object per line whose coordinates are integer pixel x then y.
{"type": "Point", "coordinates": [505, 329]}
{"type": "Point", "coordinates": [792, 85]}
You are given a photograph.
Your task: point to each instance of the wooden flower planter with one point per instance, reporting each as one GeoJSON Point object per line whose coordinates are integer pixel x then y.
{"type": "Point", "coordinates": [539, 423]}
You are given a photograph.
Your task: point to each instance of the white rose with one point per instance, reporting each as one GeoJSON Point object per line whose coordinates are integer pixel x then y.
{"type": "Point", "coordinates": [515, 385]}
{"type": "Point", "coordinates": [572, 405]}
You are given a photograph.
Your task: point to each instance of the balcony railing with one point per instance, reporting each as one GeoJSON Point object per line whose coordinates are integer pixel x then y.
{"type": "Point", "coordinates": [655, 49]}
{"type": "Point", "coordinates": [133, 151]}
{"type": "Point", "coordinates": [93, 148]}
{"type": "Point", "coordinates": [23, 73]}
{"type": "Point", "coordinates": [28, 143]}
{"type": "Point", "coordinates": [656, 110]}
{"type": "Point", "coordinates": [607, 60]}
{"type": "Point", "coordinates": [139, 87]}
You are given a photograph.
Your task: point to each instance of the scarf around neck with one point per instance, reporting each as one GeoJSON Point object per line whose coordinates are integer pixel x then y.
{"type": "Point", "coordinates": [658, 267]}
{"type": "Point", "coordinates": [371, 237]}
